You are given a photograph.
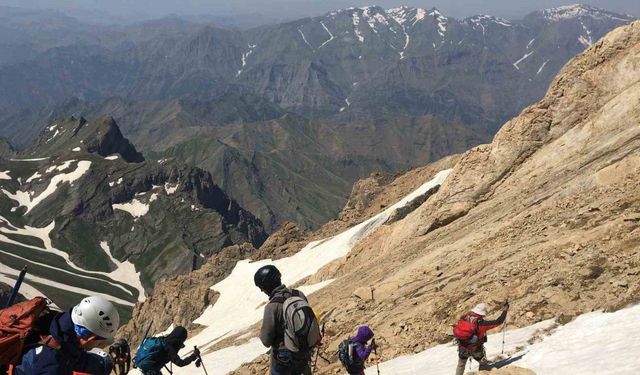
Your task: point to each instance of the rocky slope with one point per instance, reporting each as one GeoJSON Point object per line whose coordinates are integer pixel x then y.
{"type": "Point", "coordinates": [82, 200]}
{"type": "Point", "coordinates": [547, 216]}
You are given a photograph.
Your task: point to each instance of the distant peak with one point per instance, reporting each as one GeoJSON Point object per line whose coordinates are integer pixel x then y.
{"type": "Point", "coordinates": [566, 12]}
{"type": "Point", "coordinates": [485, 18]}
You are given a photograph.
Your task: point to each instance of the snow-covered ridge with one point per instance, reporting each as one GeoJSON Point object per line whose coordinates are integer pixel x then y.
{"type": "Point", "coordinates": [484, 19]}
{"type": "Point", "coordinates": [580, 10]}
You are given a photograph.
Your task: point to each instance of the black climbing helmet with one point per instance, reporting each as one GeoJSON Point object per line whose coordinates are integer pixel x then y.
{"type": "Point", "coordinates": [267, 278]}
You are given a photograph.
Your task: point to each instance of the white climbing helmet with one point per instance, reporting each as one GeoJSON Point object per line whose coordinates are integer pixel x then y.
{"type": "Point", "coordinates": [98, 315]}
{"type": "Point", "coordinates": [480, 309]}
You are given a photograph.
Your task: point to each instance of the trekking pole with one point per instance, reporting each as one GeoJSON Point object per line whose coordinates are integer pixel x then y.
{"type": "Point", "coordinates": [201, 362]}
{"type": "Point", "coordinates": [504, 328]}
{"type": "Point", "coordinates": [16, 287]}
{"type": "Point", "coordinates": [315, 362]}
{"type": "Point", "coordinates": [375, 350]}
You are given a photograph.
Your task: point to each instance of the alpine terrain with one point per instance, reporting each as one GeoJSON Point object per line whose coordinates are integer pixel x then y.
{"type": "Point", "coordinates": [546, 216]}
{"type": "Point", "coordinates": [287, 117]}
{"type": "Point", "coordinates": [84, 211]}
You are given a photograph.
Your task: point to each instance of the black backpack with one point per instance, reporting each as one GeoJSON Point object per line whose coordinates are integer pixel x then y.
{"type": "Point", "coordinates": [346, 355]}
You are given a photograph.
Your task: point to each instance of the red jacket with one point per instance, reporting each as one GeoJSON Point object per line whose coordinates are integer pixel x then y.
{"type": "Point", "coordinates": [482, 327]}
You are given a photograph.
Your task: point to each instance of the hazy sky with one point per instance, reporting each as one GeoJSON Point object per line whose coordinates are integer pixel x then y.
{"type": "Point", "coordinates": [287, 9]}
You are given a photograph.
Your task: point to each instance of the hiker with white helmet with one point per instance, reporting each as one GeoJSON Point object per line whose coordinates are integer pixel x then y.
{"type": "Point", "coordinates": [90, 324]}
{"type": "Point", "coordinates": [471, 333]}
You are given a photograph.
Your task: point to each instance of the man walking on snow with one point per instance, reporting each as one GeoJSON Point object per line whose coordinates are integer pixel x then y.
{"type": "Point", "coordinates": [471, 333]}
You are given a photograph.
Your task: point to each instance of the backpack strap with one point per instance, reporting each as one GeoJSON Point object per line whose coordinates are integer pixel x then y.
{"type": "Point", "coordinates": [282, 298]}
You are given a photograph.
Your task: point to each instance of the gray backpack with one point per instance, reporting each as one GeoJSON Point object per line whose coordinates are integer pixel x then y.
{"type": "Point", "coordinates": [301, 328]}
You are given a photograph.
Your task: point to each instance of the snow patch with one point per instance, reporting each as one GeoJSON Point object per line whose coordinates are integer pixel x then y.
{"type": "Point", "coordinates": [245, 56]}
{"type": "Point", "coordinates": [25, 198]}
{"type": "Point", "coordinates": [331, 37]}
{"type": "Point", "coordinates": [112, 157]}
{"type": "Point", "coordinates": [114, 183]}
{"type": "Point", "coordinates": [171, 188]}
{"type": "Point", "coordinates": [515, 64]}
{"type": "Point", "coordinates": [530, 43]}
{"type": "Point", "coordinates": [76, 149]}
{"type": "Point", "coordinates": [136, 208]}
{"type": "Point", "coordinates": [356, 22]}
{"type": "Point", "coordinates": [35, 176]}
{"type": "Point", "coordinates": [373, 17]}
{"type": "Point", "coordinates": [442, 22]}
{"type": "Point", "coordinates": [125, 272]}
{"type": "Point", "coordinates": [542, 67]}
{"type": "Point", "coordinates": [5, 175]}
{"type": "Point", "coordinates": [304, 38]}
{"type": "Point", "coordinates": [420, 15]}
{"type": "Point", "coordinates": [64, 166]}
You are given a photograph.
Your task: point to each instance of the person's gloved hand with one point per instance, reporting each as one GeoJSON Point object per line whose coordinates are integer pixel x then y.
{"type": "Point", "coordinates": [198, 362]}
{"type": "Point", "coordinates": [196, 352]}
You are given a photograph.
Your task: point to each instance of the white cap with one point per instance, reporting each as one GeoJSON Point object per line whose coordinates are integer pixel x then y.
{"type": "Point", "coordinates": [480, 309]}
{"type": "Point", "coordinates": [98, 315]}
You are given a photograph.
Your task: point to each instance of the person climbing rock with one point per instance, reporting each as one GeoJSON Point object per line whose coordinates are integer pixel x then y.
{"type": "Point", "coordinates": [471, 333]}
{"type": "Point", "coordinates": [289, 326]}
{"type": "Point", "coordinates": [156, 352]}
{"type": "Point", "coordinates": [90, 324]}
{"type": "Point", "coordinates": [354, 352]}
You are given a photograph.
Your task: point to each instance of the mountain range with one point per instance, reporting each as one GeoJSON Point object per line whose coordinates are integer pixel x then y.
{"type": "Point", "coordinates": [300, 100]}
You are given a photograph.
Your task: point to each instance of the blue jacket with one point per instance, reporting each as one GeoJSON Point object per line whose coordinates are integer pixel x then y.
{"type": "Point", "coordinates": [43, 360]}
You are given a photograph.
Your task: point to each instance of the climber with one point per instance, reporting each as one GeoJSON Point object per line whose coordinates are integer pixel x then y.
{"type": "Point", "coordinates": [90, 324]}
{"type": "Point", "coordinates": [156, 352]}
{"type": "Point", "coordinates": [471, 333]}
{"type": "Point", "coordinates": [353, 352]}
{"type": "Point", "coordinates": [291, 344]}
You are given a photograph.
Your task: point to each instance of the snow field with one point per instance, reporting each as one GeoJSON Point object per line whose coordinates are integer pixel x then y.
{"type": "Point", "coordinates": [595, 343]}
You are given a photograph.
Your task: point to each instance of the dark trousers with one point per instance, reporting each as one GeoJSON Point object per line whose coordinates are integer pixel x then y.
{"type": "Point", "coordinates": [284, 362]}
